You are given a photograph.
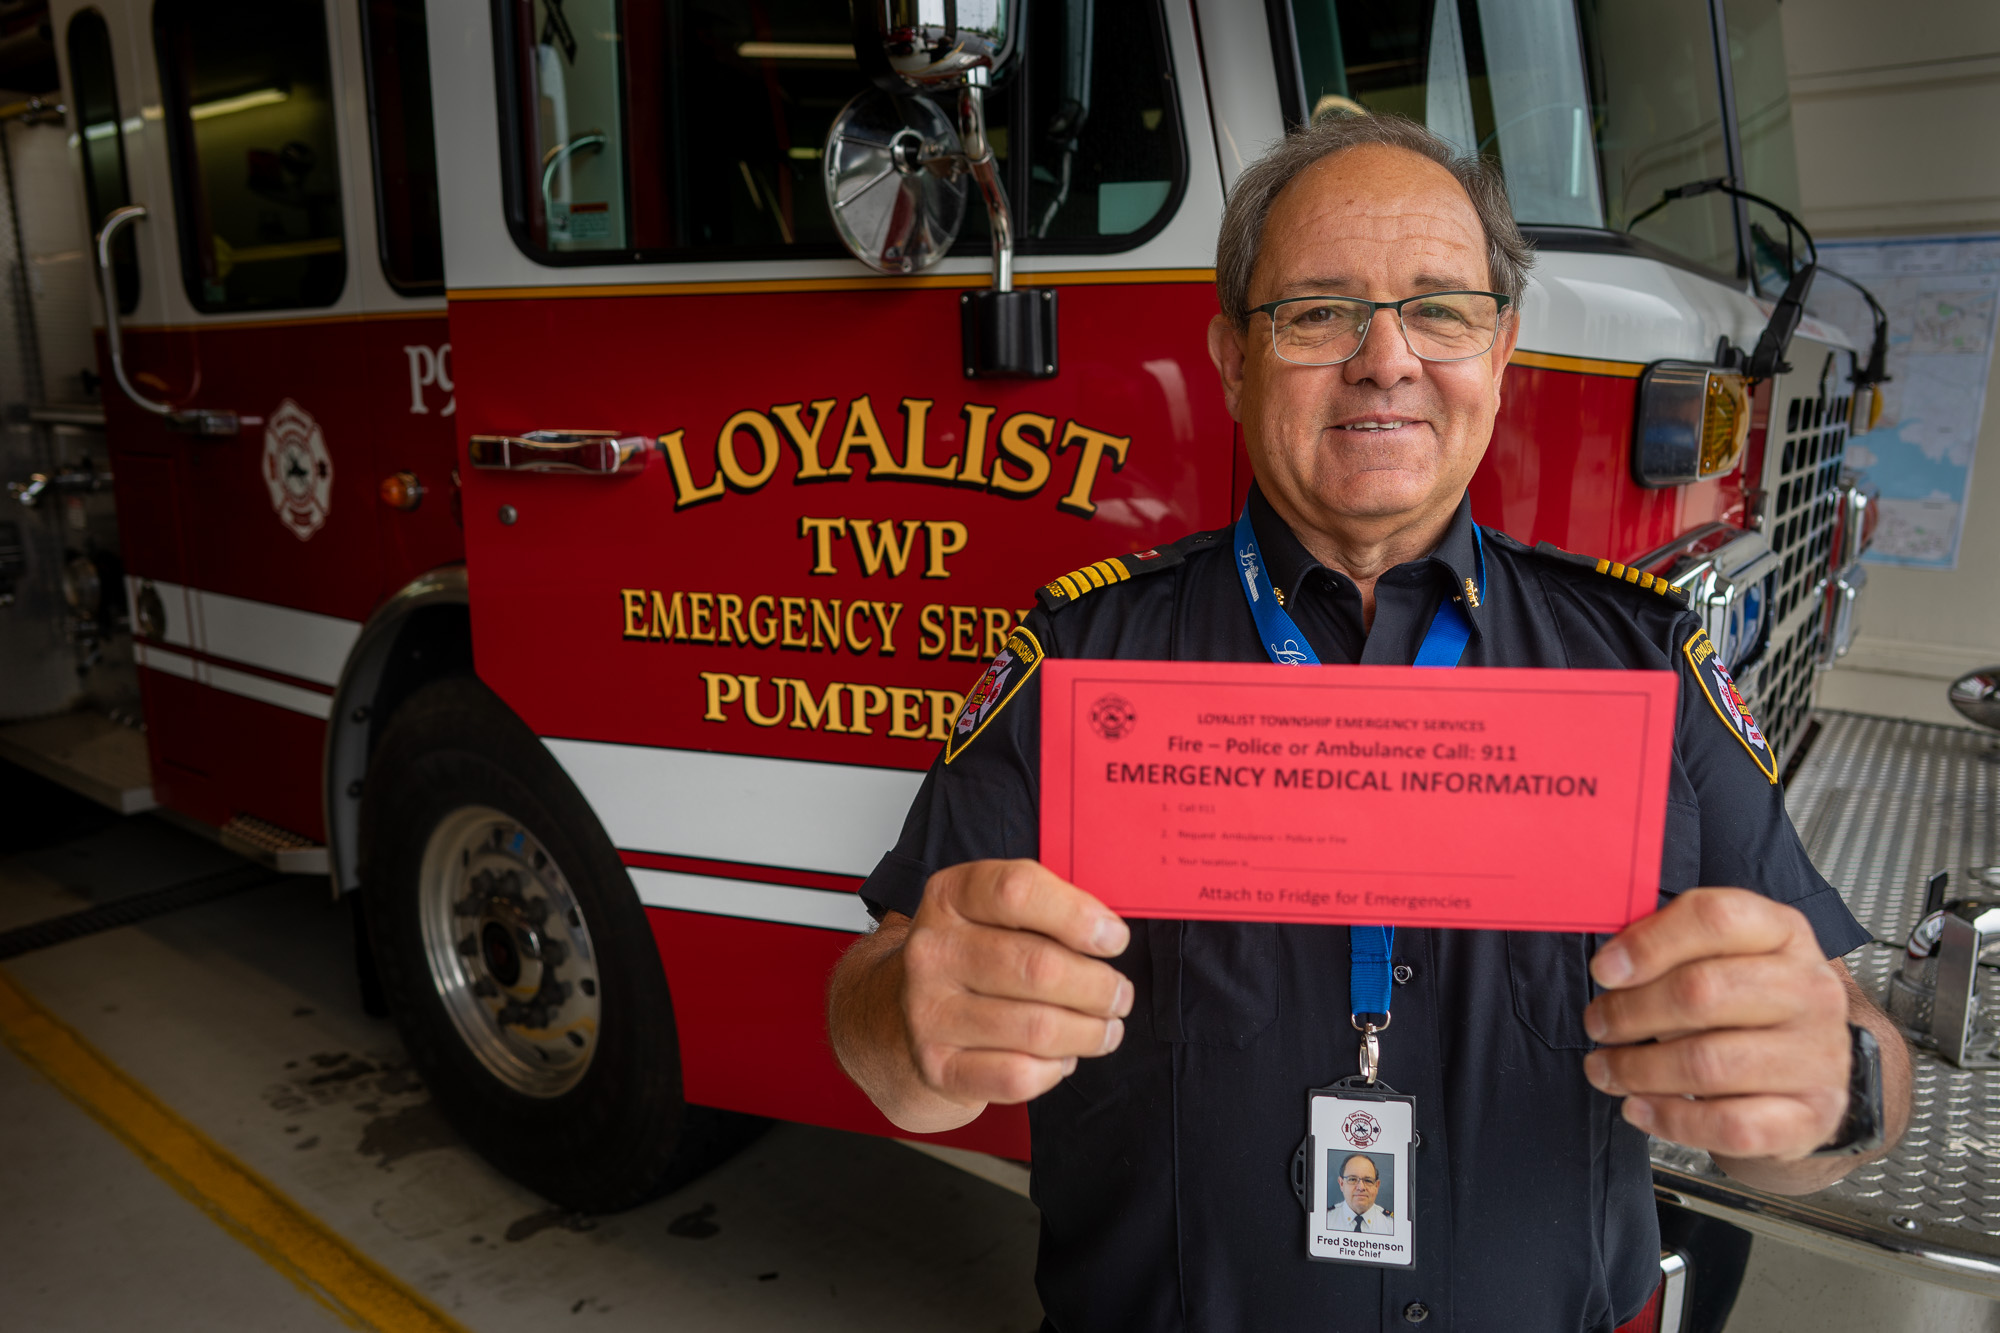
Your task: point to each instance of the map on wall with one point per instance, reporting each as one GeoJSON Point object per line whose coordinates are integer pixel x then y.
{"type": "Point", "coordinates": [1940, 292]}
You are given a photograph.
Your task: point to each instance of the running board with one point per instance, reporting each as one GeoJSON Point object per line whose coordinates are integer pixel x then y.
{"type": "Point", "coordinates": [87, 753]}
{"type": "Point", "coordinates": [268, 845]}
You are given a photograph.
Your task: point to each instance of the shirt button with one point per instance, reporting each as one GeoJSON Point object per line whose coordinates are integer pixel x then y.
{"type": "Point", "coordinates": [1403, 973]}
{"type": "Point", "coordinates": [1416, 1312]}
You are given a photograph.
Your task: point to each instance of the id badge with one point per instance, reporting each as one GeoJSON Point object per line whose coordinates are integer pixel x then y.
{"type": "Point", "coordinates": [1353, 1176]}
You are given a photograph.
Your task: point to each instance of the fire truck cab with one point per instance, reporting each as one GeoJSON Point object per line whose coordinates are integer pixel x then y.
{"type": "Point", "coordinates": [572, 456]}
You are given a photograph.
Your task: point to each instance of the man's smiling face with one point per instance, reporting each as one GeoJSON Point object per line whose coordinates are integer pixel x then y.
{"type": "Point", "coordinates": [1384, 438]}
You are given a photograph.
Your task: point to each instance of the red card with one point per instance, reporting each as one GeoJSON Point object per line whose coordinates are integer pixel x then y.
{"type": "Point", "coordinates": [1489, 798]}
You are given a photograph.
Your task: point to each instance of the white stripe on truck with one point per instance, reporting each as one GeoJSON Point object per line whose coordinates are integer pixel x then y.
{"type": "Point", "coordinates": [792, 813]}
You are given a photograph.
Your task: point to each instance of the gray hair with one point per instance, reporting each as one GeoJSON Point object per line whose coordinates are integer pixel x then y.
{"type": "Point", "coordinates": [1508, 254]}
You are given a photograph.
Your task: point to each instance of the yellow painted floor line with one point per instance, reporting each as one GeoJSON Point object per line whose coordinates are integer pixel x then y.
{"type": "Point", "coordinates": [242, 1202]}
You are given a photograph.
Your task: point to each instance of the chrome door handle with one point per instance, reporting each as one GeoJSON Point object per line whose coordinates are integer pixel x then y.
{"type": "Point", "coordinates": [203, 421]}
{"type": "Point", "coordinates": [107, 287]}
{"type": "Point", "coordinates": [597, 453]}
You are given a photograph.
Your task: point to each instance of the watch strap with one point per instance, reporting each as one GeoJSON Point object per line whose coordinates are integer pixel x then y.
{"type": "Point", "coordinates": [1862, 1128]}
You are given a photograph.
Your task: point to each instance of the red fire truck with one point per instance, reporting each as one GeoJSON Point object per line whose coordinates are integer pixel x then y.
{"type": "Point", "coordinates": [571, 456]}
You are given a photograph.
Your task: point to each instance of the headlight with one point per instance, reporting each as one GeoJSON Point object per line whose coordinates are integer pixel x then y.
{"type": "Point", "coordinates": [1693, 423]}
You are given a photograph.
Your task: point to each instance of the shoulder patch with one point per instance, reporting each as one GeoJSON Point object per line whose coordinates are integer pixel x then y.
{"type": "Point", "coordinates": [1117, 569]}
{"type": "Point", "coordinates": [1727, 703]}
{"type": "Point", "coordinates": [1628, 574]}
{"type": "Point", "coordinates": [1003, 679]}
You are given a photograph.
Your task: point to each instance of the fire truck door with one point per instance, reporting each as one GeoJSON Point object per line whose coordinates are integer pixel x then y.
{"type": "Point", "coordinates": [104, 73]}
{"type": "Point", "coordinates": [748, 633]}
{"type": "Point", "coordinates": [273, 472]}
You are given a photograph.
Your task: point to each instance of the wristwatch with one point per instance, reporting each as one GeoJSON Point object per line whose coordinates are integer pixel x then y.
{"type": "Point", "coordinates": [1862, 1128]}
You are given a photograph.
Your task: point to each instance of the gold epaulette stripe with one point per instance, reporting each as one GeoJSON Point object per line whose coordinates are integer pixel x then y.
{"type": "Point", "coordinates": [1100, 575]}
{"type": "Point", "coordinates": [1633, 575]}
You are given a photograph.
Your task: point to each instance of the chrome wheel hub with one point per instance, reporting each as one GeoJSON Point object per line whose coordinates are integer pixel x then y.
{"type": "Point", "coordinates": [509, 952]}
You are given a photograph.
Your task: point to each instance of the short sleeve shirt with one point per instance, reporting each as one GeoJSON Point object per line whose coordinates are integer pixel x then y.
{"type": "Point", "coordinates": [1161, 1170]}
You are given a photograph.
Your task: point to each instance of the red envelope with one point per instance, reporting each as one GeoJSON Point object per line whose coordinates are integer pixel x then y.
{"type": "Point", "coordinates": [1487, 798]}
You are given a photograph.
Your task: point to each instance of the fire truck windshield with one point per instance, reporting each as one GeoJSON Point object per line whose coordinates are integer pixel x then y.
{"type": "Point", "coordinates": [1592, 109]}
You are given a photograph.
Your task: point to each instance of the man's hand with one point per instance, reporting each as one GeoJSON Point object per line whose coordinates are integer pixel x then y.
{"type": "Point", "coordinates": [1748, 1022]}
{"type": "Point", "coordinates": [991, 994]}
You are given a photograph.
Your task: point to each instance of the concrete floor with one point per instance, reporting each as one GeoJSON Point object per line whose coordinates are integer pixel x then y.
{"type": "Point", "coordinates": [242, 1016]}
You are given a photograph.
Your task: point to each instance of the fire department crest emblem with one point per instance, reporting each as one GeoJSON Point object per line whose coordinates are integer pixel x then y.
{"type": "Point", "coordinates": [1361, 1129]}
{"type": "Point", "coordinates": [1112, 717]}
{"type": "Point", "coordinates": [297, 469]}
{"type": "Point", "coordinates": [1720, 690]}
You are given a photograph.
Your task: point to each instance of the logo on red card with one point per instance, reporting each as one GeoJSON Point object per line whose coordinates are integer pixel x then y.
{"type": "Point", "coordinates": [1112, 717]}
{"type": "Point", "coordinates": [1361, 1129]}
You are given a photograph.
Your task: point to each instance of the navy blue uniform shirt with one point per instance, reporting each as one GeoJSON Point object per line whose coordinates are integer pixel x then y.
{"type": "Point", "coordinates": [1162, 1169]}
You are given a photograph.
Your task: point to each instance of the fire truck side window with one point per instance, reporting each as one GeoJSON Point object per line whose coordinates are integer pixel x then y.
{"type": "Point", "coordinates": [694, 128]}
{"type": "Point", "coordinates": [399, 121]}
{"type": "Point", "coordinates": [1106, 155]}
{"type": "Point", "coordinates": [250, 122]}
{"type": "Point", "coordinates": [94, 86]}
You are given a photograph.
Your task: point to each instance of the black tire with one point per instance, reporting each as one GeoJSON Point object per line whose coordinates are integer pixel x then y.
{"type": "Point", "coordinates": [622, 1133]}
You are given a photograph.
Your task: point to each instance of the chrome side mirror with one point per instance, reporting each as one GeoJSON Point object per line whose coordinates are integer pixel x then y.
{"type": "Point", "coordinates": [936, 43]}
{"type": "Point", "coordinates": [892, 180]}
{"type": "Point", "coordinates": [1976, 696]}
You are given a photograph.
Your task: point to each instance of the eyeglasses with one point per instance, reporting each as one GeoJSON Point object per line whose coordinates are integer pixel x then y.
{"type": "Point", "coordinates": [1360, 1180]}
{"type": "Point", "coordinates": [1437, 326]}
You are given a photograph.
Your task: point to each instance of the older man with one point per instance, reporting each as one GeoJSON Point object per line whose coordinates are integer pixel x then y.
{"type": "Point", "coordinates": [1368, 282]}
{"type": "Point", "coordinates": [1359, 1208]}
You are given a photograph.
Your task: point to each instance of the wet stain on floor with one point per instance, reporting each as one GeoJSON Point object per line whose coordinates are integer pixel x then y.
{"type": "Point", "coordinates": [697, 1225]}
{"type": "Point", "coordinates": [534, 1223]}
{"type": "Point", "coordinates": [393, 1135]}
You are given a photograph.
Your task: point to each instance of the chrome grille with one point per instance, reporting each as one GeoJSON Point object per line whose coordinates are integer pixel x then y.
{"type": "Point", "coordinates": [1806, 443]}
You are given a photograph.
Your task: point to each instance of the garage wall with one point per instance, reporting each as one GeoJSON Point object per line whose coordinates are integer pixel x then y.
{"type": "Point", "coordinates": [1896, 110]}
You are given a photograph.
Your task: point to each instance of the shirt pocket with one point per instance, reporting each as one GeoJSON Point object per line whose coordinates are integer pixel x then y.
{"type": "Point", "coordinates": [1551, 980]}
{"type": "Point", "coordinates": [1214, 983]}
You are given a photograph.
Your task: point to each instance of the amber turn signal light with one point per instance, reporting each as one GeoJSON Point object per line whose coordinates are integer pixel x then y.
{"type": "Point", "coordinates": [402, 491]}
{"type": "Point", "coordinates": [1725, 423]}
{"type": "Point", "coordinates": [1867, 414]}
{"type": "Point", "coordinates": [1693, 423]}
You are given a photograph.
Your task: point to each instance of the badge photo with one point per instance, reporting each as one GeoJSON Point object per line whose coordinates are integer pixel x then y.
{"type": "Point", "coordinates": [1357, 1187]}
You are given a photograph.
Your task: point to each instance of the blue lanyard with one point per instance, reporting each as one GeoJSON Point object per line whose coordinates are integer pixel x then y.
{"type": "Point", "coordinates": [1444, 644]}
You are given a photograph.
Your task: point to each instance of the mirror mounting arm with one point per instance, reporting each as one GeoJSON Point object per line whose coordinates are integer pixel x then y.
{"type": "Point", "coordinates": [986, 171]}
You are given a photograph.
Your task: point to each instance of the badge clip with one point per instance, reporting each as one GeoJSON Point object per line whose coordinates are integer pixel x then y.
{"type": "Point", "coordinates": [1371, 1047]}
